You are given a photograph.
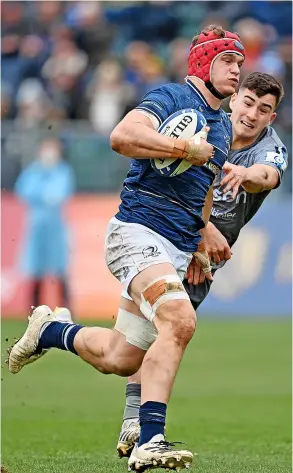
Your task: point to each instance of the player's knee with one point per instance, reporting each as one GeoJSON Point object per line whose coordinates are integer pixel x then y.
{"type": "Point", "coordinates": [102, 368]}
{"type": "Point", "coordinates": [112, 367]}
{"type": "Point", "coordinates": [125, 371]}
{"type": "Point", "coordinates": [122, 365]}
{"type": "Point", "coordinates": [184, 326]}
{"type": "Point", "coordinates": [126, 367]}
{"type": "Point", "coordinates": [179, 318]}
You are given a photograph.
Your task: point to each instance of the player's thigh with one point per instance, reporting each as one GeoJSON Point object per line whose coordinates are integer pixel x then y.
{"type": "Point", "coordinates": [164, 301]}
{"type": "Point", "coordinates": [131, 249]}
{"type": "Point", "coordinates": [147, 277]}
{"type": "Point", "coordinates": [150, 268]}
{"type": "Point", "coordinates": [174, 317]}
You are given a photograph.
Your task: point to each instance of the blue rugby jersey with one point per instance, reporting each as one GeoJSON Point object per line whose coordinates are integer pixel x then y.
{"type": "Point", "coordinates": [173, 206]}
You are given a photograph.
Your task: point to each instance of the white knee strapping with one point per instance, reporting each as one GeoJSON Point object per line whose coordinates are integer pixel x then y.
{"type": "Point", "coordinates": [138, 332]}
{"type": "Point", "coordinates": [163, 289]}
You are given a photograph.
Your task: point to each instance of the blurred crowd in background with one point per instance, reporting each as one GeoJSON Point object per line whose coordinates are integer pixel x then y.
{"type": "Point", "coordinates": [72, 70]}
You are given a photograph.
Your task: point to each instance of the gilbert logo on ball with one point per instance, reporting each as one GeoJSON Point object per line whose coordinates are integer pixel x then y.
{"type": "Point", "coordinates": [183, 124]}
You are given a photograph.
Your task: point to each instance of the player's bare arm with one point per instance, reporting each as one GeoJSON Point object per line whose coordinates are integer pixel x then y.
{"type": "Point", "coordinates": [206, 211]}
{"type": "Point", "coordinates": [260, 177]}
{"type": "Point", "coordinates": [135, 136]}
{"type": "Point", "coordinates": [201, 261]}
{"type": "Point", "coordinates": [216, 244]}
{"type": "Point", "coordinates": [257, 178]}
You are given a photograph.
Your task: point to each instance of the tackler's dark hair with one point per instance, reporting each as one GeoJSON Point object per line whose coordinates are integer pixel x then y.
{"type": "Point", "coordinates": [261, 84]}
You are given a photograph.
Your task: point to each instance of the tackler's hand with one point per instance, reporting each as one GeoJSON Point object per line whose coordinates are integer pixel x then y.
{"type": "Point", "coordinates": [216, 244]}
{"type": "Point", "coordinates": [200, 266]}
{"type": "Point", "coordinates": [195, 274]}
{"type": "Point", "coordinates": [199, 150]}
{"type": "Point", "coordinates": [235, 175]}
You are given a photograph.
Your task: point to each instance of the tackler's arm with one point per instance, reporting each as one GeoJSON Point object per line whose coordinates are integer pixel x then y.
{"type": "Point", "coordinates": [260, 177]}
{"type": "Point", "coordinates": [257, 178]}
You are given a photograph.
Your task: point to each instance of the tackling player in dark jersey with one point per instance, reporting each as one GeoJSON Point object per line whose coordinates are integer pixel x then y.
{"type": "Point", "coordinates": [258, 159]}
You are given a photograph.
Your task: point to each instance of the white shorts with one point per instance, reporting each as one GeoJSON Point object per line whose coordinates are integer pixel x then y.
{"type": "Point", "coordinates": [130, 248]}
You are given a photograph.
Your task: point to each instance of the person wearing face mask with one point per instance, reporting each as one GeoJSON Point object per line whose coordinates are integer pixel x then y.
{"type": "Point", "coordinates": [45, 186]}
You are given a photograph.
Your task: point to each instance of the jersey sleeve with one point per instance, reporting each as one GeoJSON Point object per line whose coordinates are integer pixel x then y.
{"type": "Point", "coordinates": [161, 103]}
{"type": "Point", "coordinates": [275, 156]}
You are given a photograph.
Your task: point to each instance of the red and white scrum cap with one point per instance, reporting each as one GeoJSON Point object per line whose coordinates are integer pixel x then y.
{"type": "Point", "coordinates": [208, 47]}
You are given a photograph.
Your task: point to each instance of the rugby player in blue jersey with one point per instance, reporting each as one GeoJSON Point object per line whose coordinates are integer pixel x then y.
{"type": "Point", "coordinates": [257, 161]}
{"type": "Point", "coordinates": [150, 244]}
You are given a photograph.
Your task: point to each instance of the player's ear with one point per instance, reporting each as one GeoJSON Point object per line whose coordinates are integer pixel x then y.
{"type": "Point", "coordinates": [232, 100]}
{"type": "Point", "coordinates": [273, 117]}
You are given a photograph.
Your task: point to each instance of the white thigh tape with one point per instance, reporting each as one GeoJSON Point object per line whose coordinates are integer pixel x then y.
{"type": "Point", "coordinates": [138, 332]}
{"type": "Point", "coordinates": [160, 290]}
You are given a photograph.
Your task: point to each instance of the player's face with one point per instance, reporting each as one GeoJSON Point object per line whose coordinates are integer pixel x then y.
{"type": "Point", "coordinates": [251, 114]}
{"type": "Point", "coordinates": [225, 73]}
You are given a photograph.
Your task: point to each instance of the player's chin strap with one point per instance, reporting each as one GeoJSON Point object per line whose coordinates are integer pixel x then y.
{"type": "Point", "coordinates": [214, 91]}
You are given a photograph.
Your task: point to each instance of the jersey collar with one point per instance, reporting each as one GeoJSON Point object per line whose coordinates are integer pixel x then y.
{"type": "Point", "coordinates": [246, 148]}
{"type": "Point", "coordinates": [198, 92]}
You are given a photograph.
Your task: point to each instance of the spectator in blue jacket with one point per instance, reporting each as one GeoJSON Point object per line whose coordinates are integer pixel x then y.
{"type": "Point", "coordinates": [45, 186]}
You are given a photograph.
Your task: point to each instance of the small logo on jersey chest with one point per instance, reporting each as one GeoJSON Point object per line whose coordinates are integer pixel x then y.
{"type": "Point", "coordinates": [212, 167]}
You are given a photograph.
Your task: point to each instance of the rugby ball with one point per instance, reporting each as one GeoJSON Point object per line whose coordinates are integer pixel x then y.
{"type": "Point", "coordinates": [183, 124]}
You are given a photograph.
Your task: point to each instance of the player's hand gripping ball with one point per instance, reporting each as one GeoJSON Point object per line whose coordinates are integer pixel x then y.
{"type": "Point", "coordinates": [184, 124]}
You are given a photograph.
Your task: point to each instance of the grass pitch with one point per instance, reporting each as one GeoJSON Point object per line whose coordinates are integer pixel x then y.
{"type": "Point", "coordinates": [231, 404]}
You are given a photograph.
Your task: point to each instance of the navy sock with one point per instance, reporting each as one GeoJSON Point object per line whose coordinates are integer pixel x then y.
{"type": "Point", "coordinates": [59, 335]}
{"type": "Point", "coordinates": [152, 419]}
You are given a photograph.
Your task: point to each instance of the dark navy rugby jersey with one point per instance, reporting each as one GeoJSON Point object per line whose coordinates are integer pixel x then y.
{"type": "Point", "coordinates": [173, 206]}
